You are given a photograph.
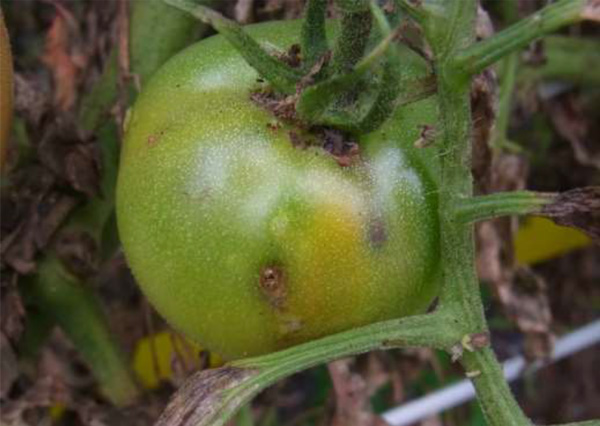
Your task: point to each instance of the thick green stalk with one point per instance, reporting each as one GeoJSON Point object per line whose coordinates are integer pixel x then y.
{"type": "Point", "coordinates": [460, 292]}
{"type": "Point", "coordinates": [490, 206]}
{"type": "Point", "coordinates": [493, 393]}
{"type": "Point", "coordinates": [477, 57]}
{"type": "Point", "coordinates": [232, 386]}
{"type": "Point", "coordinates": [461, 286]}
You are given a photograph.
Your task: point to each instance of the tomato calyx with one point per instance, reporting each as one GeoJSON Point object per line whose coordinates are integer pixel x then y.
{"type": "Point", "coordinates": [342, 146]}
{"type": "Point", "coordinates": [341, 86]}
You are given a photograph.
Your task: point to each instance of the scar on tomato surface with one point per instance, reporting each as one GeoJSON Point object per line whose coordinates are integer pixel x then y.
{"type": "Point", "coordinates": [377, 233]}
{"type": "Point", "coordinates": [272, 284]}
{"type": "Point", "coordinates": [153, 139]}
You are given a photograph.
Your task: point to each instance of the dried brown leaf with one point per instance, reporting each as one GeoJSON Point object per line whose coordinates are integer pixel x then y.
{"type": "Point", "coordinates": [35, 210]}
{"type": "Point", "coordinates": [65, 64]}
{"type": "Point", "coordinates": [591, 10]}
{"type": "Point", "coordinates": [71, 154]}
{"type": "Point", "coordinates": [46, 392]}
{"type": "Point", "coordinates": [9, 368]}
{"type": "Point", "coordinates": [578, 208]}
{"type": "Point", "coordinates": [201, 398]}
{"type": "Point", "coordinates": [32, 98]}
{"type": "Point", "coordinates": [351, 396]}
{"type": "Point", "coordinates": [78, 251]}
{"type": "Point", "coordinates": [82, 168]}
{"type": "Point", "coordinates": [483, 113]}
{"type": "Point", "coordinates": [12, 311]}
{"type": "Point", "coordinates": [243, 11]}
{"type": "Point", "coordinates": [525, 301]}
{"type": "Point", "coordinates": [570, 121]}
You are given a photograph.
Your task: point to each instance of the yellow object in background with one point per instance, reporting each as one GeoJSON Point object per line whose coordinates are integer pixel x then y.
{"type": "Point", "coordinates": [167, 346]}
{"type": "Point", "coordinates": [540, 239]}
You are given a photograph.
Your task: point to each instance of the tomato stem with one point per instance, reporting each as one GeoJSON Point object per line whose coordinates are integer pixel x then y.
{"type": "Point", "coordinates": [479, 56]}
{"type": "Point", "coordinates": [493, 393]}
{"type": "Point", "coordinates": [250, 376]}
{"type": "Point", "coordinates": [490, 206]}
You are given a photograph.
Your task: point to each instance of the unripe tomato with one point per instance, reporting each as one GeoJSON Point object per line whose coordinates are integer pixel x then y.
{"type": "Point", "coordinates": [248, 244]}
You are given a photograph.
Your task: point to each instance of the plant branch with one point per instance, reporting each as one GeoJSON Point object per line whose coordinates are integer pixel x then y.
{"type": "Point", "coordinates": [283, 77]}
{"type": "Point", "coordinates": [212, 397]}
{"type": "Point", "coordinates": [493, 393]}
{"type": "Point", "coordinates": [487, 207]}
{"type": "Point", "coordinates": [478, 56]}
{"type": "Point", "coordinates": [460, 291]}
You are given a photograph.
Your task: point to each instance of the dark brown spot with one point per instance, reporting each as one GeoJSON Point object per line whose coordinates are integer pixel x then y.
{"type": "Point", "coordinates": [377, 233]}
{"type": "Point", "coordinates": [273, 285]}
{"type": "Point", "coordinates": [297, 141]}
{"type": "Point", "coordinates": [273, 126]}
{"type": "Point", "coordinates": [292, 57]}
{"type": "Point", "coordinates": [426, 136]}
{"type": "Point", "coordinates": [153, 139]}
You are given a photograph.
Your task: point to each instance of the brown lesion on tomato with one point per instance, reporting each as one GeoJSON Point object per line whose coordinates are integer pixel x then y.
{"type": "Point", "coordinates": [377, 233]}
{"type": "Point", "coordinates": [153, 139]}
{"type": "Point", "coordinates": [273, 286]}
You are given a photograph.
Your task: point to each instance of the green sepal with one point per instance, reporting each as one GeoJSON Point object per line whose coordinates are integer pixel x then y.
{"type": "Point", "coordinates": [314, 37]}
{"type": "Point", "coordinates": [315, 100]}
{"type": "Point", "coordinates": [283, 77]}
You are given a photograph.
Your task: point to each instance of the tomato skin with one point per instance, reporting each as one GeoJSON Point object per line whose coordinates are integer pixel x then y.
{"type": "Point", "coordinates": [249, 245]}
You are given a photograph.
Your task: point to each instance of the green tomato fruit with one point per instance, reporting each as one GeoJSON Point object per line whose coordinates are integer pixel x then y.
{"type": "Point", "coordinates": [248, 244]}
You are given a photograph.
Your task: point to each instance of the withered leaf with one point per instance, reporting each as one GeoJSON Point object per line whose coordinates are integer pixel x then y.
{"type": "Point", "coordinates": [65, 64]}
{"type": "Point", "coordinates": [33, 212]}
{"type": "Point", "coordinates": [9, 369]}
{"type": "Point", "coordinates": [483, 114]}
{"type": "Point", "coordinates": [578, 208]}
{"type": "Point", "coordinates": [200, 400]}
{"type": "Point", "coordinates": [570, 121]}
{"type": "Point", "coordinates": [351, 396]}
{"type": "Point", "coordinates": [79, 252]}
